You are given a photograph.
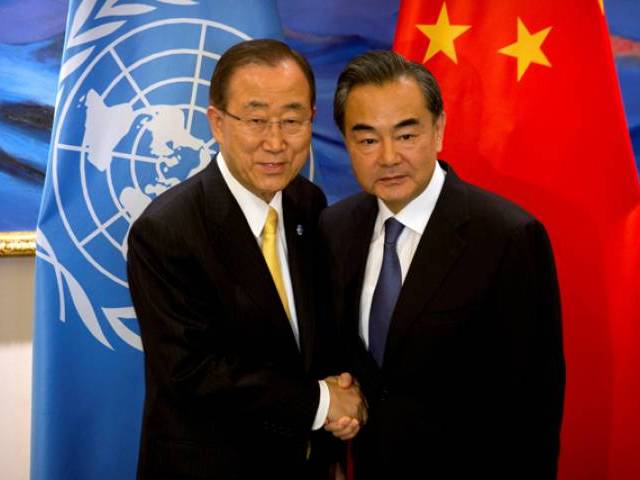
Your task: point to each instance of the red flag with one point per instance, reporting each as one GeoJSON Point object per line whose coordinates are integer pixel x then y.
{"type": "Point", "coordinates": [534, 113]}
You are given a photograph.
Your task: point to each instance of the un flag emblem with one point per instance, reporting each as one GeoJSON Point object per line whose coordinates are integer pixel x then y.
{"type": "Point", "coordinates": [131, 125]}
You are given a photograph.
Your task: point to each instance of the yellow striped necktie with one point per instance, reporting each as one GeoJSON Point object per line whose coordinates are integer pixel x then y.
{"type": "Point", "coordinates": [270, 252]}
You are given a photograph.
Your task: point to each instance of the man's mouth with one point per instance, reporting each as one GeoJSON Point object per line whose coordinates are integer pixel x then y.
{"type": "Point", "coordinates": [272, 167]}
{"type": "Point", "coordinates": [391, 179]}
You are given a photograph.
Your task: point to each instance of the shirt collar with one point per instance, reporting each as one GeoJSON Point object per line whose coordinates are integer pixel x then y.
{"type": "Point", "coordinates": [254, 208]}
{"type": "Point", "coordinates": [415, 215]}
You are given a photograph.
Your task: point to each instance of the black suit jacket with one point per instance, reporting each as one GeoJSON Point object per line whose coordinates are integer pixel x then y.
{"type": "Point", "coordinates": [228, 392]}
{"type": "Point", "coordinates": [473, 375]}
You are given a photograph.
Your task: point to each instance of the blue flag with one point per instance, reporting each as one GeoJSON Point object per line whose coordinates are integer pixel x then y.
{"type": "Point", "coordinates": [130, 123]}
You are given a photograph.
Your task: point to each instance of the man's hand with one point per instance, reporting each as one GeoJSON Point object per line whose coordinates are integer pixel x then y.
{"type": "Point", "coordinates": [347, 407]}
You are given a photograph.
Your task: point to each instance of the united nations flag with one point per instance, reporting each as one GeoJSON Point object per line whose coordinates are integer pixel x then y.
{"type": "Point", "coordinates": [130, 123]}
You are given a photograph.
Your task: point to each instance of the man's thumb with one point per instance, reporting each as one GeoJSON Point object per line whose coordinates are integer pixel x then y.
{"type": "Point", "coordinates": [345, 380]}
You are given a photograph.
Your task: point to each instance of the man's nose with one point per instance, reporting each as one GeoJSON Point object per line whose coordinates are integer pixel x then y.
{"type": "Point", "coordinates": [388, 155]}
{"type": "Point", "coordinates": [274, 140]}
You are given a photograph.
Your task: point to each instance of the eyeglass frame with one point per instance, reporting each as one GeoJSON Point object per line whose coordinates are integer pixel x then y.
{"type": "Point", "coordinates": [265, 126]}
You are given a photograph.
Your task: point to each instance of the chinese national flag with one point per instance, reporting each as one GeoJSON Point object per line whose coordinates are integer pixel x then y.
{"type": "Point", "coordinates": [534, 113]}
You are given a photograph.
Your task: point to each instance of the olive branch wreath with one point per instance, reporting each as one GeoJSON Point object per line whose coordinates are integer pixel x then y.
{"type": "Point", "coordinates": [77, 36]}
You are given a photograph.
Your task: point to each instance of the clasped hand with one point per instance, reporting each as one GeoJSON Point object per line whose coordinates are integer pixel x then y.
{"type": "Point", "coordinates": [347, 407]}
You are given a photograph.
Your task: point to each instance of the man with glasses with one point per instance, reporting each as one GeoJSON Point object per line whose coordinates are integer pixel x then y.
{"type": "Point", "coordinates": [223, 277]}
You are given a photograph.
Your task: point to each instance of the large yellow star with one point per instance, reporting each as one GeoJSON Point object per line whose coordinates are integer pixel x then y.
{"type": "Point", "coordinates": [601, 3]}
{"type": "Point", "coordinates": [528, 48]}
{"type": "Point", "coordinates": [441, 35]}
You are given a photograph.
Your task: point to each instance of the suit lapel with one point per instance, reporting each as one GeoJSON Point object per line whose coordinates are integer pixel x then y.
{"type": "Point", "coordinates": [236, 248]}
{"type": "Point", "coordinates": [363, 221]}
{"type": "Point", "coordinates": [439, 248]}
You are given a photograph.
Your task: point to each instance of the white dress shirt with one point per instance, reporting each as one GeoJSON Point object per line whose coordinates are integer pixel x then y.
{"type": "Point", "coordinates": [255, 211]}
{"type": "Point", "coordinates": [414, 216]}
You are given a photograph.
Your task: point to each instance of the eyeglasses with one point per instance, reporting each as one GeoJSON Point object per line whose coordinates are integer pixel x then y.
{"type": "Point", "coordinates": [260, 126]}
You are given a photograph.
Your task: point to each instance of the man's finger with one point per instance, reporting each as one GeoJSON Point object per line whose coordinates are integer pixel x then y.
{"type": "Point", "coordinates": [338, 425]}
{"type": "Point", "coordinates": [349, 432]}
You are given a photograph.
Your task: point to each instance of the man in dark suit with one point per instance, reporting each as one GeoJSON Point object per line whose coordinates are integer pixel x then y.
{"type": "Point", "coordinates": [222, 275]}
{"type": "Point", "coordinates": [446, 295]}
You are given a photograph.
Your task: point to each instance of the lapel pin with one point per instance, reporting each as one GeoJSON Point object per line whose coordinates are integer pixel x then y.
{"type": "Point", "coordinates": [299, 230]}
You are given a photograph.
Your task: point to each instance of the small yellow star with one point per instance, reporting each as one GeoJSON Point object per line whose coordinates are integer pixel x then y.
{"type": "Point", "coordinates": [441, 35]}
{"type": "Point", "coordinates": [601, 3]}
{"type": "Point", "coordinates": [528, 48]}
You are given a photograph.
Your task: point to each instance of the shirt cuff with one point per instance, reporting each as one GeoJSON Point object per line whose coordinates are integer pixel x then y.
{"type": "Point", "coordinates": [323, 406]}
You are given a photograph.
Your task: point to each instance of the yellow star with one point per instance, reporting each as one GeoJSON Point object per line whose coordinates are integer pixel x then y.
{"type": "Point", "coordinates": [601, 3]}
{"type": "Point", "coordinates": [528, 48]}
{"type": "Point", "coordinates": [441, 35]}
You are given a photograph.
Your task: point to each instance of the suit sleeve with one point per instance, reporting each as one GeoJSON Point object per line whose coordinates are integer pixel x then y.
{"type": "Point", "coordinates": [331, 356]}
{"type": "Point", "coordinates": [529, 310]}
{"type": "Point", "coordinates": [330, 349]}
{"type": "Point", "coordinates": [188, 355]}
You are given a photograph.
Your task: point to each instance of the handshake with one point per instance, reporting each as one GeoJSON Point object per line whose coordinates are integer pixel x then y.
{"type": "Point", "coordinates": [347, 407]}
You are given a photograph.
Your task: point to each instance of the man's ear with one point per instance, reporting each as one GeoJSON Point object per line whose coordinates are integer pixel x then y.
{"type": "Point", "coordinates": [215, 123]}
{"type": "Point", "coordinates": [440, 125]}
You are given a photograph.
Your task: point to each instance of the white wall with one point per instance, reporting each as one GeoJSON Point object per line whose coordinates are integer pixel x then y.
{"type": "Point", "coordinates": [16, 297]}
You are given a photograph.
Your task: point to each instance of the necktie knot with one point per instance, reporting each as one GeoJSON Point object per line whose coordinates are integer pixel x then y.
{"type": "Point", "coordinates": [271, 224]}
{"type": "Point", "coordinates": [392, 230]}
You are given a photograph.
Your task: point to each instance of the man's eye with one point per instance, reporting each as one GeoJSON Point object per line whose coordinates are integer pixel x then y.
{"type": "Point", "coordinates": [291, 122]}
{"type": "Point", "coordinates": [407, 136]}
{"type": "Point", "coordinates": [258, 122]}
{"type": "Point", "coordinates": [368, 141]}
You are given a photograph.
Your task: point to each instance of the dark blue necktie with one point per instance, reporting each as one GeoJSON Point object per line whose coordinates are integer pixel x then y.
{"type": "Point", "coordinates": [387, 290]}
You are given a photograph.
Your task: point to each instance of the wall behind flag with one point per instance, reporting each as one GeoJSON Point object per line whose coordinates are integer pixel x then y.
{"type": "Point", "coordinates": [31, 36]}
{"type": "Point", "coordinates": [16, 305]}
